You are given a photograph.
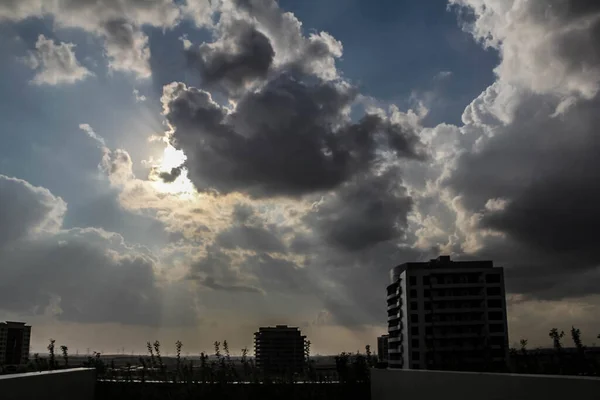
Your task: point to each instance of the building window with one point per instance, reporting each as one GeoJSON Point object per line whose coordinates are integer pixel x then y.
{"type": "Point", "coordinates": [498, 353]}
{"type": "Point", "coordinates": [426, 292]}
{"type": "Point", "coordinates": [414, 343]}
{"type": "Point", "coordinates": [416, 366]}
{"type": "Point", "coordinates": [496, 328]}
{"type": "Point", "coordinates": [493, 291]}
{"type": "Point", "coordinates": [414, 305]}
{"type": "Point", "coordinates": [426, 280]}
{"type": "Point", "coordinates": [414, 318]}
{"type": "Point", "coordinates": [428, 330]}
{"type": "Point", "coordinates": [427, 317]}
{"type": "Point", "coordinates": [497, 340]}
{"type": "Point", "coordinates": [494, 303]}
{"type": "Point", "coordinates": [414, 330]}
{"type": "Point", "coordinates": [492, 278]}
{"type": "Point", "coordinates": [412, 280]}
{"type": "Point", "coordinates": [495, 315]}
{"type": "Point", "coordinates": [413, 293]}
{"type": "Point", "coordinates": [416, 355]}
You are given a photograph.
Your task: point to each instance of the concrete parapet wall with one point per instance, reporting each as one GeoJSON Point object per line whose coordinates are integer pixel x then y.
{"type": "Point", "coordinates": [388, 384]}
{"type": "Point", "coordinates": [66, 384]}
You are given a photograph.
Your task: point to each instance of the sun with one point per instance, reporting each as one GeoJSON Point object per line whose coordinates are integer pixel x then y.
{"type": "Point", "coordinates": [182, 186]}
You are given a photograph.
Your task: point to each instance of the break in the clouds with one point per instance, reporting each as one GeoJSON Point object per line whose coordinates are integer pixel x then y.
{"type": "Point", "coordinates": [286, 192]}
{"type": "Point", "coordinates": [55, 64]}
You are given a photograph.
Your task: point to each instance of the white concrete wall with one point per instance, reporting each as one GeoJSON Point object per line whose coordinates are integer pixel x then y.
{"type": "Point", "coordinates": [66, 384]}
{"type": "Point", "coordinates": [439, 385]}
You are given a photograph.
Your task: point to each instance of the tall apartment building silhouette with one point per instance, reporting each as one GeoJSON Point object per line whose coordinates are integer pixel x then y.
{"type": "Point", "coordinates": [447, 315]}
{"type": "Point", "coordinates": [14, 343]}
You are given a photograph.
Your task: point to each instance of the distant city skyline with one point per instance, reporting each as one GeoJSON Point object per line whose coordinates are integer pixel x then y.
{"type": "Point", "coordinates": [192, 170]}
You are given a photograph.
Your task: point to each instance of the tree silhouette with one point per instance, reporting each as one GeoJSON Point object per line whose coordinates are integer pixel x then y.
{"type": "Point", "coordinates": [556, 338]}
{"type": "Point", "coordinates": [581, 361]}
{"type": "Point", "coordinates": [50, 347]}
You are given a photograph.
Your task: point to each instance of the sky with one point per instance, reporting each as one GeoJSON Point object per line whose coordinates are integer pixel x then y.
{"type": "Point", "coordinates": [191, 170]}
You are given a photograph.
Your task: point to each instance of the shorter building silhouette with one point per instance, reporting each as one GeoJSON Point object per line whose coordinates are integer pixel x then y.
{"type": "Point", "coordinates": [280, 350]}
{"type": "Point", "coordinates": [14, 343]}
{"type": "Point", "coordinates": [382, 348]}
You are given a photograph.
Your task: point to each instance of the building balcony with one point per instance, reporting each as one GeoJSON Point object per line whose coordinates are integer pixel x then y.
{"type": "Point", "coordinates": [394, 317]}
{"type": "Point", "coordinates": [395, 339]}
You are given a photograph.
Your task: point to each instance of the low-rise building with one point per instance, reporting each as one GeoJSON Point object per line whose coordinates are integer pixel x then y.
{"type": "Point", "coordinates": [280, 350]}
{"type": "Point", "coordinates": [14, 343]}
{"type": "Point", "coordinates": [382, 348]}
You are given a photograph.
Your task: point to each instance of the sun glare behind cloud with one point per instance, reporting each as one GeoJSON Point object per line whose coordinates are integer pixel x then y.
{"type": "Point", "coordinates": [182, 186]}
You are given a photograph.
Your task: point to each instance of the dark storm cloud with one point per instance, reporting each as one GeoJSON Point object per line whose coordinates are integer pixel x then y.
{"type": "Point", "coordinates": [539, 161]}
{"type": "Point", "coordinates": [278, 275]}
{"type": "Point", "coordinates": [215, 271]}
{"type": "Point", "coordinates": [363, 212]}
{"type": "Point", "coordinates": [360, 280]}
{"type": "Point", "coordinates": [171, 176]}
{"type": "Point", "coordinates": [91, 284]}
{"type": "Point", "coordinates": [242, 213]}
{"type": "Point", "coordinates": [287, 139]}
{"type": "Point", "coordinates": [240, 56]}
{"type": "Point", "coordinates": [548, 170]}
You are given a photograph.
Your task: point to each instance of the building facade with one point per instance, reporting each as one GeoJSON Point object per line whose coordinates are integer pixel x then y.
{"type": "Point", "coordinates": [14, 343]}
{"type": "Point", "coordinates": [280, 350]}
{"type": "Point", "coordinates": [447, 315]}
{"type": "Point", "coordinates": [382, 348]}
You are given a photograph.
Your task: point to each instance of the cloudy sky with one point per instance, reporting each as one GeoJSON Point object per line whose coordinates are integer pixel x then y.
{"type": "Point", "coordinates": [195, 169]}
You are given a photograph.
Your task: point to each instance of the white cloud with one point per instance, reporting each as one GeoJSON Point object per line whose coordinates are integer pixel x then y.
{"type": "Point", "coordinates": [55, 63]}
{"type": "Point", "coordinates": [118, 22]}
{"type": "Point", "coordinates": [138, 97]}
{"type": "Point", "coordinates": [90, 132]}
{"type": "Point", "coordinates": [442, 75]}
{"type": "Point", "coordinates": [546, 46]}
{"type": "Point", "coordinates": [127, 48]}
